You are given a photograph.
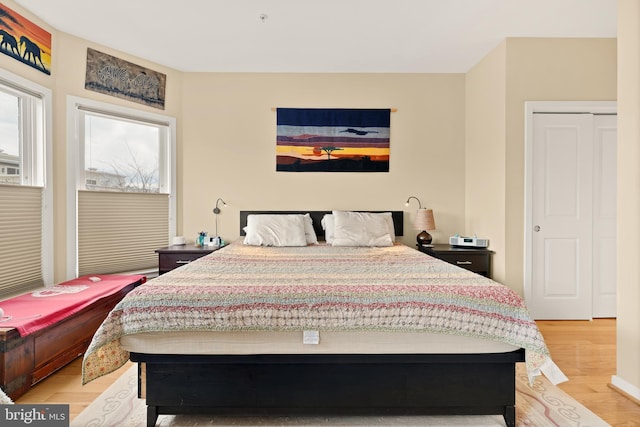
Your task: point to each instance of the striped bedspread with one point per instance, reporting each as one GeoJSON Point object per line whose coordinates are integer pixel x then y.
{"type": "Point", "coordinates": [246, 288]}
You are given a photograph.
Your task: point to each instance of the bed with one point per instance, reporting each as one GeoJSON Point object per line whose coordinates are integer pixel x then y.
{"type": "Point", "coordinates": [322, 328]}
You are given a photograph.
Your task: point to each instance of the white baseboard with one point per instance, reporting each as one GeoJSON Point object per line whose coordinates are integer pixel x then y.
{"type": "Point", "coordinates": [626, 387]}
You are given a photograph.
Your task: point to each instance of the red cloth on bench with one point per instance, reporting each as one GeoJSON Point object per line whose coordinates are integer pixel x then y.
{"type": "Point", "coordinates": [43, 307]}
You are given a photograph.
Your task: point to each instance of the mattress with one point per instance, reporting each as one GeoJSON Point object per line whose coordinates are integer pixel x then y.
{"type": "Point", "coordinates": [328, 342]}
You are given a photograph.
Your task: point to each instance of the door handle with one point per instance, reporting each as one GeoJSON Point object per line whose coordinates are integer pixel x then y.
{"type": "Point", "coordinates": [536, 228]}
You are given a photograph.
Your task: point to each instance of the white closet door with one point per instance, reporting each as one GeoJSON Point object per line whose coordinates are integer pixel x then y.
{"type": "Point", "coordinates": [562, 216]}
{"type": "Point", "coordinates": [604, 216]}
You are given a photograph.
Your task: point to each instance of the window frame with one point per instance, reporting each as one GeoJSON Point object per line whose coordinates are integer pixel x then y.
{"type": "Point", "coordinates": [76, 106]}
{"type": "Point", "coordinates": [31, 126]}
{"type": "Point", "coordinates": [84, 111]}
{"type": "Point", "coordinates": [36, 159]}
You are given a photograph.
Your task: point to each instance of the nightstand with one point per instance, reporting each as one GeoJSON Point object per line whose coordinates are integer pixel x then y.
{"type": "Point", "coordinates": [177, 255]}
{"type": "Point", "coordinates": [477, 260]}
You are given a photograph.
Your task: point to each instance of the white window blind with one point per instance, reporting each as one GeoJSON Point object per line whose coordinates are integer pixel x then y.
{"type": "Point", "coordinates": [20, 239]}
{"type": "Point", "coordinates": [119, 232]}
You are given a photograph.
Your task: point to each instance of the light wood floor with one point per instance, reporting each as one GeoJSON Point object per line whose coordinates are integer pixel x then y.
{"type": "Point", "coordinates": [585, 351]}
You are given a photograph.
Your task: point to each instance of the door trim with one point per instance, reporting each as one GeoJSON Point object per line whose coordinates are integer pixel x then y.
{"type": "Point", "coordinates": [531, 107]}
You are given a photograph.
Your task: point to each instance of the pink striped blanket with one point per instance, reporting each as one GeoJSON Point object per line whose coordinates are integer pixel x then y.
{"type": "Point", "coordinates": [320, 287]}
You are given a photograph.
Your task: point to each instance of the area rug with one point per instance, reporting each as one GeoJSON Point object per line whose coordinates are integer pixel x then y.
{"type": "Point", "coordinates": [538, 405]}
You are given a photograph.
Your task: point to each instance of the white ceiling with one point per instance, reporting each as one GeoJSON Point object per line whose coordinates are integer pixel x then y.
{"type": "Point", "coordinates": [391, 36]}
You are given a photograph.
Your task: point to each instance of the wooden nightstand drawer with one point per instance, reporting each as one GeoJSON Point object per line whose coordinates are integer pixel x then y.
{"type": "Point", "coordinates": [476, 260]}
{"type": "Point", "coordinates": [176, 256]}
{"type": "Point", "coordinates": [168, 262]}
{"type": "Point", "coordinates": [478, 263]}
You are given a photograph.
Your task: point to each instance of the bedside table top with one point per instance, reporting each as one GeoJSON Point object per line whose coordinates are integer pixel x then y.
{"type": "Point", "coordinates": [445, 247]}
{"type": "Point", "coordinates": [188, 248]}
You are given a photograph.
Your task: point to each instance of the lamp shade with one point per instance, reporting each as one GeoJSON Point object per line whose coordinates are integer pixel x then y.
{"type": "Point", "coordinates": [424, 220]}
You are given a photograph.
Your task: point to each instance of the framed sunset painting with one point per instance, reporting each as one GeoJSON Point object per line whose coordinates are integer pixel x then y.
{"type": "Point", "coordinates": [332, 140]}
{"type": "Point", "coordinates": [24, 41]}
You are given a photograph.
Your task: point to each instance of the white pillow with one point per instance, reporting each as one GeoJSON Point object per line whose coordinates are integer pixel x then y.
{"type": "Point", "coordinates": [328, 227]}
{"type": "Point", "coordinates": [361, 229]}
{"type": "Point", "coordinates": [309, 232]}
{"type": "Point", "coordinates": [275, 230]}
{"type": "Point", "coordinates": [389, 218]}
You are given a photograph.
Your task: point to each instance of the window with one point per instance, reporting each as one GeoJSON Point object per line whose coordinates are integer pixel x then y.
{"type": "Point", "coordinates": [21, 135]}
{"type": "Point", "coordinates": [9, 135]}
{"type": "Point", "coordinates": [123, 196]}
{"type": "Point", "coordinates": [26, 217]}
{"type": "Point", "coordinates": [123, 154]}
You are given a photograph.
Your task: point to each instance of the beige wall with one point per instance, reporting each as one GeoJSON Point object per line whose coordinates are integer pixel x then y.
{"type": "Point", "coordinates": [557, 70]}
{"type": "Point", "coordinates": [628, 326]}
{"type": "Point", "coordinates": [67, 78]}
{"type": "Point", "coordinates": [70, 70]}
{"type": "Point", "coordinates": [229, 132]}
{"type": "Point", "coordinates": [522, 70]}
{"type": "Point", "coordinates": [485, 154]}
{"type": "Point", "coordinates": [547, 70]}
{"type": "Point", "coordinates": [226, 141]}
{"type": "Point", "coordinates": [226, 137]}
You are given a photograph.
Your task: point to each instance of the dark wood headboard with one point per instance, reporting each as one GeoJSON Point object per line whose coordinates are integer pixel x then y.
{"type": "Point", "coordinates": [316, 216]}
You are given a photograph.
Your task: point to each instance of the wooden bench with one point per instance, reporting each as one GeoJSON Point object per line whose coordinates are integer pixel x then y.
{"type": "Point", "coordinates": [27, 359]}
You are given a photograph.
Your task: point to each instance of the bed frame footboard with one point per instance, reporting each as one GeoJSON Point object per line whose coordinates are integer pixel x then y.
{"type": "Point", "coordinates": [460, 384]}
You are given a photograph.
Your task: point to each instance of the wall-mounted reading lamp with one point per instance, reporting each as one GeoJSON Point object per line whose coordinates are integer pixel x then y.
{"type": "Point", "coordinates": [413, 197]}
{"type": "Point", "coordinates": [217, 211]}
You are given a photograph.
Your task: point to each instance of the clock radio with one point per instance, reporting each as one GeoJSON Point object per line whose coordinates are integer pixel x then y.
{"type": "Point", "coordinates": [472, 242]}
